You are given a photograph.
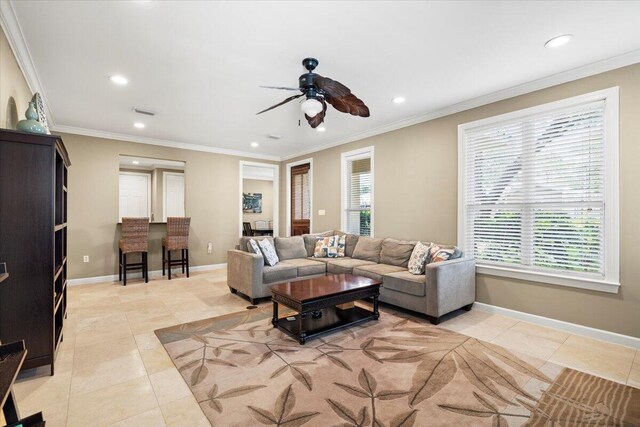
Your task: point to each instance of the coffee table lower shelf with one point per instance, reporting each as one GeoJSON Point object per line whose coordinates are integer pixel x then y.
{"type": "Point", "coordinates": [332, 319]}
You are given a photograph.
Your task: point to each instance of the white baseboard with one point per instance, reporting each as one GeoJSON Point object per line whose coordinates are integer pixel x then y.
{"type": "Point", "coordinates": [573, 328]}
{"type": "Point", "coordinates": [154, 273]}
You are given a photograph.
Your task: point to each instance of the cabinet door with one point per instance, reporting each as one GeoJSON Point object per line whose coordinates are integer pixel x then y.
{"type": "Point", "coordinates": [26, 245]}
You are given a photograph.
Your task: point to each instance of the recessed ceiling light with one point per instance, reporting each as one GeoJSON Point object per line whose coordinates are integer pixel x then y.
{"type": "Point", "coordinates": [321, 128]}
{"type": "Point", "coordinates": [254, 144]}
{"type": "Point", "coordinates": [398, 100]}
{"type": "Point", "coordinates": [139, 125]}
{"type": "Point", "coordinates": [119, 80]}
{"type": "Point", "coordinates": [559, 41]}
{"type": "Point", "coordinates": [135, 162]}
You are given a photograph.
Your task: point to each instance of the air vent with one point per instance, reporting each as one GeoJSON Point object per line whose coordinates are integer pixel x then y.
{"type": "Point", "coordinates": [145, 112]}
{"type": "Point", "coordinates": [273, 136]}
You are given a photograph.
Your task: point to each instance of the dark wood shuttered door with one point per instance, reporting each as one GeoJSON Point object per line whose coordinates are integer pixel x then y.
{"type": "Point", "coordinates": [300, 200]}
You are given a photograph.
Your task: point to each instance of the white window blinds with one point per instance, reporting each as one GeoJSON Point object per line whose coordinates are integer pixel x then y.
{"type": "Point", "coordinates": [534, 195]}
{"type": "Point", "coordinates": [357, 193]}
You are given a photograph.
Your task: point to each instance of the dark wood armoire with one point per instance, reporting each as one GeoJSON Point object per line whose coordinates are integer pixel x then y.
{"type": "Point", "coordinates": [33, 243]}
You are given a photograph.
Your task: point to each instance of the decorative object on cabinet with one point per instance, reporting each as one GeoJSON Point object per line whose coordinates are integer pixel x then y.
{"type": "Point", "coordinates": [12, 114]}
{"type": "Point", "coordinates": [31, 123]}
{"type": "Point", "coordinates": [42, 114]}
{"type": "Point", "coordinates": [33, 243]}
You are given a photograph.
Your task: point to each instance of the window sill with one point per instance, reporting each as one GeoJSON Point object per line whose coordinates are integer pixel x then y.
{"type": "Point", "coordinates": [553, 279]}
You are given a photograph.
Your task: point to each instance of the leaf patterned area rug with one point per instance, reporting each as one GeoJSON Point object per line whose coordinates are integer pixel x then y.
{"type": "Point", "coordinates": [396, 372]}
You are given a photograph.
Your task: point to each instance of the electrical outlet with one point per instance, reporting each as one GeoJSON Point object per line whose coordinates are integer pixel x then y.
{"type": "Point", "coordinates": [321, 212]}
{"type": "Point", "coordinates": [209, 247]}
{"type": "Point", "coordinates": [85, 258]}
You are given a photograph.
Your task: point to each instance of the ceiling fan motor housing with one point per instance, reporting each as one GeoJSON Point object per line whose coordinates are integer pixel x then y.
{"type": "Point", "coordinates": [306, 82]}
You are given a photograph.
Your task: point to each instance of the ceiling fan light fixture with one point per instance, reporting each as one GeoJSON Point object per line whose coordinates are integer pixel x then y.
{"type": "Point", "coordinates": [311, 107]}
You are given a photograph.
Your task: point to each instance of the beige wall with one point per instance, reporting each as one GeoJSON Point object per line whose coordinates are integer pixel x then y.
{"type": "Point", "coordinates": [416, 197]}
{"type": "Point", "coordinates": [211, 193]}
{"type": "Point", "coordinates": [266, 188]}
{"type": "Point", "coordinates": [12, 83]}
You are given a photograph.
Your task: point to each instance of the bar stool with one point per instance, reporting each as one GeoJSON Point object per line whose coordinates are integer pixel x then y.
{"type": "Point", "coordinates": [177, 240]}
{"type": "Point", "coordinates": [135, 238]}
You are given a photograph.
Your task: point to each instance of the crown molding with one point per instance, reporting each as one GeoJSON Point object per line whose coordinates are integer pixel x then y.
{"type": "Point", "coordinates": [161, 142]}
{"type": "Point", "coordinates": [594, 68]}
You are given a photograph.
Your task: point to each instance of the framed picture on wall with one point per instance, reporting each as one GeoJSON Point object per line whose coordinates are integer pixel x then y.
{"type": "Point", "coordinates": [252, 202]}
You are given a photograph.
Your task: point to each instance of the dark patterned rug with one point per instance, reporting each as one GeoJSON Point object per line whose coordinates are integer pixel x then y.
{"type": "Point", "coordinates": [397, 372]}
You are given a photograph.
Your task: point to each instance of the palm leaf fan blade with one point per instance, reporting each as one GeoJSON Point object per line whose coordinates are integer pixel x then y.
{"type": "Point", "coordinates": [291, 98]}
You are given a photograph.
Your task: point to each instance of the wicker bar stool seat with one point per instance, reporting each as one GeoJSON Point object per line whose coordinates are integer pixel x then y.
{"type": "Point", "coordinates": [135, 239]}
{"type": "Point", "coordinates": [177, 239]}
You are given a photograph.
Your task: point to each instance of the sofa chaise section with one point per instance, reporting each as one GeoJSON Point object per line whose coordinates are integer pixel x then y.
{"type": "Point", "coordinates": [248, 274]}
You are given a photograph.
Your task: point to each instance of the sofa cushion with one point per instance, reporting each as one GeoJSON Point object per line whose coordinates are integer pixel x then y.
{"type": "Point", "coordinates": [268, 252]}
{"type": "Point", "coordinates": [324, 260]}
{"type": "Point", "coordinates": [290, 247]}
{"type": "Point", "coordinates": [329, 247]}
{"type": "Point", "coordinates": [279, 272]}
{"type": "Point", "coordinates": [396, 252]}
{"type": "Point", "coordinates": [405, 282]}
{"type": "Point", "coordinates": [307, 267]}
{"type": "Point", "coordinates": [376, 271]}
{"type": "Point", "coordinates": [350, 244]}
{"type": "Point", "coordinates": [345, 265]}
{"type": "Point", "coordinates": [368, 249]}
{"type": "Point", "coordinates": [310, 243]}
{"type": "Point", "coordinates": [244, 241]}
{"type": "Point", "coordinates": [438, 253]}
{"type": "Point", "coordinates": [252, 246]}
{"type": "Point", "coordinates": [418, 259]}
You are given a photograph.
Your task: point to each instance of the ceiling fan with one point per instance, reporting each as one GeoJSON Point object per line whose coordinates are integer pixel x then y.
{"type": "Point", "coordinates": [318, 91]}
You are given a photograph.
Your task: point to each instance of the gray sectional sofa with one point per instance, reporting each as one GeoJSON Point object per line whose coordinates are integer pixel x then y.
{"type": "Point", "coordinates": [446, 286]}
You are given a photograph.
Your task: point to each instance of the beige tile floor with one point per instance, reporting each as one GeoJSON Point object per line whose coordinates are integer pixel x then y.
{"type": "Point", "coordinates": [112, 371]}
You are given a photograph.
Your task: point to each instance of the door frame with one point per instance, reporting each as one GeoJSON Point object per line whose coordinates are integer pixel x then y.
{"type": "Point", "coordinates": [276, 193]}
{"type": "Point", "coordinates": [164, 192]}
{"type": "Point", "coordinates": [146, 175]}
{"type": "Point", "coordinates": [288, 180]}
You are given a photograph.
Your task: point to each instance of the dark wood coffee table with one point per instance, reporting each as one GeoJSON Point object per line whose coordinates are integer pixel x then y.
{"type": "Point", "coordinates": [315, 301]}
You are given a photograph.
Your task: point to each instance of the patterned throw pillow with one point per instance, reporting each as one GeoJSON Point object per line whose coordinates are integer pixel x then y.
{"type": "Point", "coordinates": [418, 258]}
{"type": "Point", "coordinates": [437, 254]}
{"type": "Point", "coordinates": [269, 252]}
{"type": "Point", "coordinates": [252, 246]}
{"type": "Point", "coordinates": [330, 247]}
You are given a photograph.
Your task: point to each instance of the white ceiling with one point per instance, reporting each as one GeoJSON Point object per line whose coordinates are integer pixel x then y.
{"type": "Point", "coordinates": [198, 64]}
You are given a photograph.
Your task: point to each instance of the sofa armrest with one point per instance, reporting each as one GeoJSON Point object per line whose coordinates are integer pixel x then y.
{"type": "Point", "coordinates": [244, 272]}
{"type": "Point", "coordinates": [450, 285]}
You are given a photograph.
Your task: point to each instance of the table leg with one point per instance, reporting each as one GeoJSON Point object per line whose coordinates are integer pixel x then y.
{"type": "Point", "coordinates": [302, 335]}
{"type": "Point", "coordinates": [274, 320]}
{"type": "Point", "coordinates": [376, 313]}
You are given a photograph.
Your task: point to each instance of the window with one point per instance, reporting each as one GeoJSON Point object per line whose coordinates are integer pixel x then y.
{"type": "Point", "coordinates": [538, 192]}
{"type": "Point", "coordinates": [357, 192]}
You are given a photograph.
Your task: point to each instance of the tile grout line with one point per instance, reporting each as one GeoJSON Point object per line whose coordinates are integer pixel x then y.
{"type": "Point", "coordinates": [559, 347]}
{"type": "Point", "coordinates": [633, 359]}
{"type": "Point", "coordinates": [73, 362]}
